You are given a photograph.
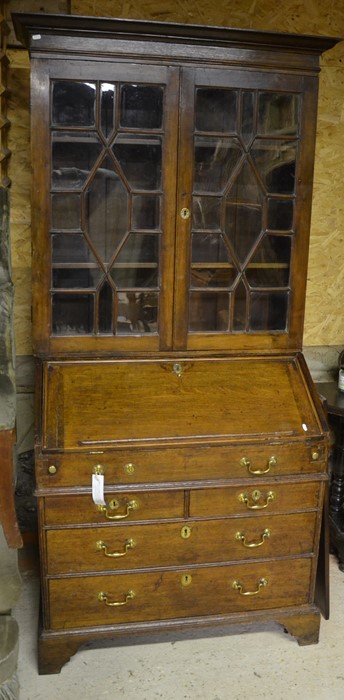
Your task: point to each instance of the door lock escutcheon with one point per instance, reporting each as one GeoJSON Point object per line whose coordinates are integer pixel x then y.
{"type": "Point", "coordinates": [185, 213]}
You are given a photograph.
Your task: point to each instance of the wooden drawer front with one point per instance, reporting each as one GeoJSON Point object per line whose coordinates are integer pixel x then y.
{"type": "Point", "coordinates": [74, 602]}
{"type": "Point", "coordinates": [258, 498]}
{"type": "Point", "coordinates": [80, 550]}
{"type": "Point", "coordinates": [70, 510]}
{"type": "Point", "coordinates": [183, 464]}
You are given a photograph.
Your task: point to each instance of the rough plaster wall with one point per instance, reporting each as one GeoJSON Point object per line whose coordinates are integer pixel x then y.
{"type": "Point", "coordinates": [324, 323]}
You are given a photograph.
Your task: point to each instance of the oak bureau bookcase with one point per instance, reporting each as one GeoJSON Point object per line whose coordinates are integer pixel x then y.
{"type": "Point", "coordinates": [181, 447]}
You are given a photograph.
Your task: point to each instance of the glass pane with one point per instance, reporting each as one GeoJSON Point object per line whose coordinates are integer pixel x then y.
{"type": "Point", "coordinates": [280, 214]}
{"type": "Point", "coordinates": [216, 110]}
{"type": "Point", "coordinates": [206, 213]}
{"type": "Point", "coordinates": [73, 314]}
{"type": "Point", "coordinates": [137, 313]}
{"type": "Point", "coordinates": [243, 226]}
{"type": "Point", "coordinates": [209, 247]}
{"type": "Point", "coordinates": [140, 160]}
{"type": "Point", "coordinates": [247, 117]}
{"type": "Point", "coordinates": [239, 308]}
{"type": "Point", "coordinates": [208, 311]}
{"type": "Point", "coordinates": [73, 157]}
{"type": "Point", "coordinates": [268, 311]}
{"type": "Point", "coordinates": [107, 108]}
{"type": "Point", "coordinates": [106, 210]}
{"type": "Point", "coordinates": [137, 263]}
{"type": "Point", "coordinates": [278, 113]}
{"type": "Point", "coordinates": [73, 103]}
{"type": "Point", "coordinates": [70, 248]}
{"type": "Point", "coordinates": [275, 161]}
{"type": "Point", "coordinates": [81, 278]}
{"type": "Point", "coordinates": [66, 211]}
{"type": "Point", "coordinates": [141, 106]}
{"type": "Point", "coordinates": [270, 266]}
{"type": "Point", "coordinates": [207, 276]}
{"type": "Point", "coordinates": [105, 309]}
{"type": "Point", "coordinates": [246, 187]}
{"type": "Point", "coordinates": [215, 160]}
{"type": "Point", "coordinates": [146, 212]}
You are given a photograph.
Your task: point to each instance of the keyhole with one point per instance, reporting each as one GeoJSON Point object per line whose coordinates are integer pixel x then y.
{"type": "Point", "coordinates": [186, 580]}
{"type": "Point", "coordinates": [185, 532]}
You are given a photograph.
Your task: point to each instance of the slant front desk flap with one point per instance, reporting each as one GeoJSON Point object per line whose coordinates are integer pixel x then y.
{"type": "Point", "coordinates": [151, 402]}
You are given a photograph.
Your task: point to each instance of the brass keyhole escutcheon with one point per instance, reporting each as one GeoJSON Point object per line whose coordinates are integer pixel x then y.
{"type": "Point", "coordinates": [185, 532]}
{"type": "Point", "coordinates": [177, 369]}
{"type": "Point", "coordinates": [185, 213]}
{"type": "Point", "coordinates": [129, 468]}
{"type": "Point", "coordinates": [186, 579]}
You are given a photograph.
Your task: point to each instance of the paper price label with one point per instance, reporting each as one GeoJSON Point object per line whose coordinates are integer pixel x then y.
{"type": "Point", "coordinates": [98, 489]}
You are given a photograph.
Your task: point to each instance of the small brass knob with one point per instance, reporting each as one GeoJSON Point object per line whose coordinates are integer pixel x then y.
{"type": "Point", "coordinates": [52, 469]}
{"type": "Point", "coordinates": [315, 455]}
{"type": "Point", "coordinates": [129, 468]}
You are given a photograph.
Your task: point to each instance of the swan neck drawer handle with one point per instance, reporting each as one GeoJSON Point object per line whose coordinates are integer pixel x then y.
{"type": "Point", "coordinates": [253, 502]}
{"type": "Point", "coordinates": [238, 586]}
{"type": "Point", "coordinates": [114, 505]}
{"type": "Point", "coordinates": [102, 547]}
{"type": "Point", "coordinates": [103, 598]}
{"type": "Point", "coordinates": [241, 537]}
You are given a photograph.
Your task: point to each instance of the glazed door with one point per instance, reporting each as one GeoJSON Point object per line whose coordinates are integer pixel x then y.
{"type": "Point", "coordinates": [240, 232]}
{"type": "Point", "coordinates": [104, 233]}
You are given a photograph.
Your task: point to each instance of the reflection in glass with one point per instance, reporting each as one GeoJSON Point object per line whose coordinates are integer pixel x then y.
{"type": "Point", "coordinates": [73, 156]}
{"type": "Point", "coordinates": [246, 188]}
{"type": "Point", "coordinates": [212, 276]}
{"type": "Point", "coordinates": [206, 212]}
{"type": "Point", "coordinates": [208, 311]}
{"type": "Point", "coordinates": [73, 103]}
{"type": "Point", "coordinates": [107, 108]}
{"type": "Point", "coordinates": [66, 211]}
{"type": "Point", "coordinates": [106, 210]}
{"type": "Point", "coordinates": [141, 106]}
{"type": "Point", "coordinates": [140, 160]}
{"type": "Point", "coordinates": [275, 160]}
{"type": "Point", "coordinates": [278, 113]}
{"type": "Point", "coordinates": [280, 214]}
{"type": "Point", "coordinates": [209, 247]}
{"type": "Point", "coordinates": [215, 160]}
{"type": "Point", "coordinates": [268, 311]}
{"type": "Point", "coordinates": [73, 314]}
{"type": "Point", "coordinates": [215, 110]}
{"type": "Point", "coordinates": [145, 212]}
{"type": "Point", "coordinates": [270, 265]}
{"type": "Point", "coordinates": [137, 312]}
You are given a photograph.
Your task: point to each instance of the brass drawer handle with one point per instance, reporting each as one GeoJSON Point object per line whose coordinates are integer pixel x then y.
{"type": "Point", "coordinates": [103, 598]}
{"type": "Point", "coordinates": [245, 462]}
{"type": "Point", "coordinates": [114, 505]}
{"type": "Point", "coordinates": [256, 496]}
{"type": "Point", "coordinates": [238, 586]}
{"type": "Point", "coordinates": [242, 538]}
{"type": "Point", "coordinates": [102, 547]}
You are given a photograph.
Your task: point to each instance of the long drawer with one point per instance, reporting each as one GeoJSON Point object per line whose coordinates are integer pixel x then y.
{"type": "Point", "coordinates": [133, 506]}
{"type": "Point", "coordinates": [123, 598]}
{"type": "Point", "coordinates": [81, 550]}
{"type": "Point", "coordinates": [182, 464]}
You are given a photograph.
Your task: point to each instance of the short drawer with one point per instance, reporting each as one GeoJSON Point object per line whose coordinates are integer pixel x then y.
{"type": "Point", "coordinates": [121, 506]}
{"type": "Point", "coordinates": [271, 497]}
{"type": "Point", "coordinates": [82, 550]}
{"type": "Point", "coordinates": [182, 464]}
{"type": "Point", "coordinates": [165, 594]}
